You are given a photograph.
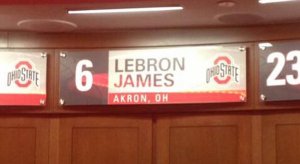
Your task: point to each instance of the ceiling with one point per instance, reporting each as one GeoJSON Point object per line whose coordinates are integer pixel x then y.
{"type": "Point", "coordinates": [51, 15]}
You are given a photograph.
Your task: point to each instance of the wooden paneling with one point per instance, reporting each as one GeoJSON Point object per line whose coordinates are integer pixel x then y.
{"type": "Point", "coordinates": [24, 140]}
{"type": "Point", "coordinates": [256, 139]}
{"type": "Point", "coordinates": [3, 39]}
{"type": "Point", "coordinates": [108, 140]}
{"type": "Point", "coordinates": [204, 139]}
{"type": "Point", "coordinates": [281, 139]}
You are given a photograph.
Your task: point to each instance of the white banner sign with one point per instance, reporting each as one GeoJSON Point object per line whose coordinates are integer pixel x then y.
{"type": "Point", "coordinates": [177, 75]}
{"type": "Point", "coordinates": [22, 78]}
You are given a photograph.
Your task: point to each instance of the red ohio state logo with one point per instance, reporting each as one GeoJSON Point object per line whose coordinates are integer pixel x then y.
{"type": "Point", "coordinates": [223, 71]}
{"type": "Point", "coordinates": [24, 75]}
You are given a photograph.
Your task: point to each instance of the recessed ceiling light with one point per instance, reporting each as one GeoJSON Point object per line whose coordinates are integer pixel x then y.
{"type": "Point", "coordinates": [226, 4]}
{"type": "Point", "coordinates": [46, 25]}
{"type": "Point", "coordinates": [126, 10]}
{"type": "Point", "coordinates": [274, 1]}
{"type": "Point", "coordinates": [264, 45]}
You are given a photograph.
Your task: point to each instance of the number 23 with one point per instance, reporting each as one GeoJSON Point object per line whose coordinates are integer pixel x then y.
{"type": "Point", "coordinates": [273, 79]}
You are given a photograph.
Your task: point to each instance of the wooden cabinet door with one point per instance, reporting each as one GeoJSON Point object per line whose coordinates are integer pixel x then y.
{"type": "Point", "coordinates": [24, 140]}
{"type": "Point", "coordinates": [281, 139]}
{"type": "Point", "coordinates": [109, 140]}
{"type": "Point", "coordinates": [203, 140]}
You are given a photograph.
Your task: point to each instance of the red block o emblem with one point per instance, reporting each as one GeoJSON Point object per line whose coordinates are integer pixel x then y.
{"type": "Point", "coordinates": [216, 62]}
{"type": "Point", "coordinates": [29, 66]}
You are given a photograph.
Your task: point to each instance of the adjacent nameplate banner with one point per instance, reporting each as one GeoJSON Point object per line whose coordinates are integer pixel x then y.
{"type": "Point", "coordinates": [154, 76]}
{"type": "Point", "coordinates": [23, 78]}
{"type": "Point", "coordinates": [280, 71]}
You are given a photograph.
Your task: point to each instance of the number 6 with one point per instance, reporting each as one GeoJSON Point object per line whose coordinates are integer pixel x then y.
{"type": "Point", "coordinates": [80, 75]}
